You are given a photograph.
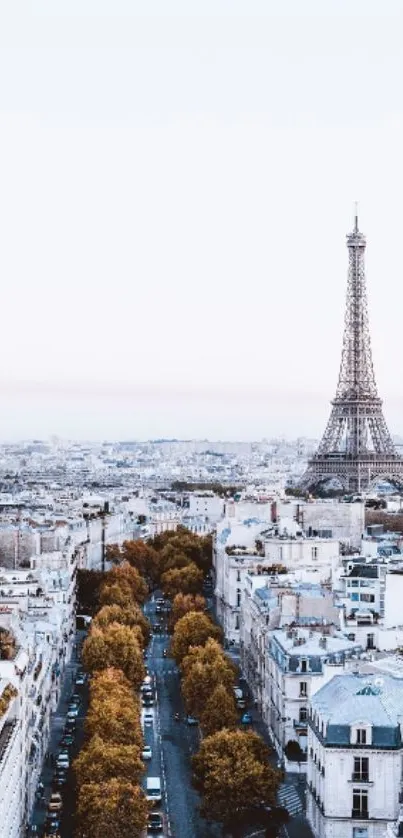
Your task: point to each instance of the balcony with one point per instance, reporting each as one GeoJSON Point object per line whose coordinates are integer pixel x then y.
{"type": "Point", "coordinates": [300, 725]}
{"type": "Point", "coordinates": [360, 777]}
{"type": "Point", "coordinates": [360, 814]}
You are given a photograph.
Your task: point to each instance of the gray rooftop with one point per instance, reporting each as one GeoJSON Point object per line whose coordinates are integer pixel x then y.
{"type": "Point", "coordinates": [350, 698]}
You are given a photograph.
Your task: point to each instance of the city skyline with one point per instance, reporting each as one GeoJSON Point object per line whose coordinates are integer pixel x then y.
{"type": "Point", "coordinates": [176, 193]}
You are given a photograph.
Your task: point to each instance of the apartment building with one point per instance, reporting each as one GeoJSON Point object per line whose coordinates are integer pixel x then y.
{"type": "Point", "coordinates": [355, 756]}
{"type": "Point", "coordinates": [299, 661]}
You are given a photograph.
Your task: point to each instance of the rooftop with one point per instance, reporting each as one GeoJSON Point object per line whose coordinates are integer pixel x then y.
{"type": "Point", "coordinates": [312, 643]}
{"type": "Point", "coordinates": [370, 698]}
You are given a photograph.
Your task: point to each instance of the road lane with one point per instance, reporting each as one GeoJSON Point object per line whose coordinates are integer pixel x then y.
{"type": "Point", "coordinates": [175, 742]}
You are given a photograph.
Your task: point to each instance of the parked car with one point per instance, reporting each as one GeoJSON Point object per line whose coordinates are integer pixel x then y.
{"type": "Point", "coordinates": [67, 740]}
{"type": "Point", "coordinates": [191, 720]}
{"type": "Point", "coordinates": [75, 699]}
{"type": "Point", "coordinates": [59, 778]}
{"type": "Point", "coordinates": [63, 761]}
{"type": "Point", "coordinates": [80, 679]}
{"type": "Point", "coordinates": [246, 719]}
{"type": "Point", "coordinates": [55, 803]}
{"type": "Point", "coordinates": [146, 752]}
{"type": "Point", "coordinates": [148, 719]}
{"type": "Point", "coordinates": [155, 822]}
{"type": "Point", "coordinates": [72, 711]}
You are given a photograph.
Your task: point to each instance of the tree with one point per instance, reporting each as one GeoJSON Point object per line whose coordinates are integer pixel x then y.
{"type": "Point", "coordinates": [172, 559]}
{"type": "Point", "coordinates": [114, 721]}
{"type": "Point", "coordinates": [115, 809]}
{"type": "Point", "coordinates": [139, 555]}
{"type": "Point", "coordinates": [130, 615]}
{"type": "Point", "coordinates": [89, 583]}
{"type": "Point", "coordinates": [182, 604]}
{"type": "Point", "coordinates": [232, 773]}
{"type": "Point", "coordinates": [110, 681]}
{"type": "Point", "coordinates": [100, 761]}
{"type": "Point", "coordinates": [131, 577]}
{"type": "Point", "coordinates": [184, 580]}
{"type": "Point", "coordinates": [116, 594]}
{"type": "Point", "coordinates": [219, 711]}
{"type": "Point", "coordinates": [293, 751]}
{"type": "Point", "coordinates": [207, 654]}
{"type": "Point", "coordinates": [116, 646]}
{"type": "Point", "coordinates": [194, 629]}
{"type": "Point", "coordinates": [201, 681]}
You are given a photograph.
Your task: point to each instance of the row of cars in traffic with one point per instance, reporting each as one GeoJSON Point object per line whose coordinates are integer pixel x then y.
{"type": "Point", "coordinates": [61, 762]}
{"type": "Point", "coordinates": [153, 791]}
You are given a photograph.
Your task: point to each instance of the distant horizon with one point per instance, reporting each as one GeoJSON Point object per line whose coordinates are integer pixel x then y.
{"type": "Point", "coordinates": [178, 181]}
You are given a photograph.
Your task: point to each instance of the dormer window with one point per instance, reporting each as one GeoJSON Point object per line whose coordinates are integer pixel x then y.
{"type": "Point", "coordinates": [361, 736]}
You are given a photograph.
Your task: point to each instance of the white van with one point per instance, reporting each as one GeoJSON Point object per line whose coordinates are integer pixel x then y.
{"type": "Point", "coordinates": [153, 789]}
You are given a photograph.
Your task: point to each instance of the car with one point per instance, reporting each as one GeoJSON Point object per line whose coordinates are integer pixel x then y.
{"type": "Point", "coordinates": [148, 719]}
{"type": "Point", "coordinates": [146, 752]}
{"type": "Point", "coordinates": [55, 803]}
{"type": "Point", "coordinates": [160, 601]}
{"type": "Point", "coordinates": [67, 740]}
{"type": "Point", "coordinates": [63, 762]}
{"type": "Point", "coordinates": [158, 609]}
{"type": "Point", "coordinates": [72, 711]}
{"type": "Point", "coordinates": [241, 703]}
{"type": "Point", "coordinates": [75, 699]}
{"type": "Point", "coordinates": [191, 720]}
{"type": "Point", "coordinates": [246, 719]}
{"type": "Point", "coordinates": [80, 679]}
{"type": "Point", "coordinates": [59, 778]}
{"type": "Point", "coordinates": [155, 822]}
{"type": "Point", "coordinates": [52, 828]}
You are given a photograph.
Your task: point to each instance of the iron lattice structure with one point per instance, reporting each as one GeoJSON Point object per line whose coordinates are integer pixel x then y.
{"type": "Point", "coordinates": [356, 447]}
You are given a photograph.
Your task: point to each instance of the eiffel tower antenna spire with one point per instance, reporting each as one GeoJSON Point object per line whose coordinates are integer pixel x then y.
{"type": "Point", "coordinates": [356, 447]}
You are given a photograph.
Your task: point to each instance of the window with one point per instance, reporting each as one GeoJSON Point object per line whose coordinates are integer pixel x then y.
{"type": "Point", "coordinates": [303, 689]}
{"type": "Point", "coordinates": [314, 552]}
{"type": "Point", "coordinates": [360, 832]}
{"type": "Point", "coordinates": [361, 736]}
{"type": "Point", "coordinates": [236, 622]}
{"type": "Point", "coordinates": [303, 714]}
{"type": "Point", "coordinates": [361, 769]}
{"type": "Point", "coordinates": [370, 641]}
{"type": "Point", "coordinates": [238, 576]}
{"type": "Point", "coordinates": [304, 665]}
{"type": "Point", "coordinates": [360, 803]}
{"type": "Point", "coordinates": [238, 598]}
{"type": "Point", "coordinates": [367, 598]}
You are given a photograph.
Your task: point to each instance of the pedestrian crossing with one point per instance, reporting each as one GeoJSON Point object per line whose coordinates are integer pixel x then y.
{"type": "Point", "coordinates": [289, 798]}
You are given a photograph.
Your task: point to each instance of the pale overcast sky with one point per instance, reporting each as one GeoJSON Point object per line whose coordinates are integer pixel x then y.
{"type": "Point", "coordinates": [176, 181]}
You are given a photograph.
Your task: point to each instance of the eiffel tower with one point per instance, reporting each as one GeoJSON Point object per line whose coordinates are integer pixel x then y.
{"type": "Point", "coordinates": [356, 447]}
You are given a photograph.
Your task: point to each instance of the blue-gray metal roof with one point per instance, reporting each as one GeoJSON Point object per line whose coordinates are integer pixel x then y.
{"type": "Point", "coordinates": [350, 699]}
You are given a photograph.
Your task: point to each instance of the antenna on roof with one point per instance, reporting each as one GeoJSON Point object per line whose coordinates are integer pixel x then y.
{"type": "Point", "coordinates": [356, 216]}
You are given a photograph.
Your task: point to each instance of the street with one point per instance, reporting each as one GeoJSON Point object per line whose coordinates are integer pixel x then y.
{"type": "Point", "coordinates": [173, 744]}
{"type": "Point", "coordinates": [57, 725]}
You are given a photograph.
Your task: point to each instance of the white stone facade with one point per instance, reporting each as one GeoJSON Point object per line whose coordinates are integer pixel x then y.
{"type": "Point", "coordinates": [355, 757]}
